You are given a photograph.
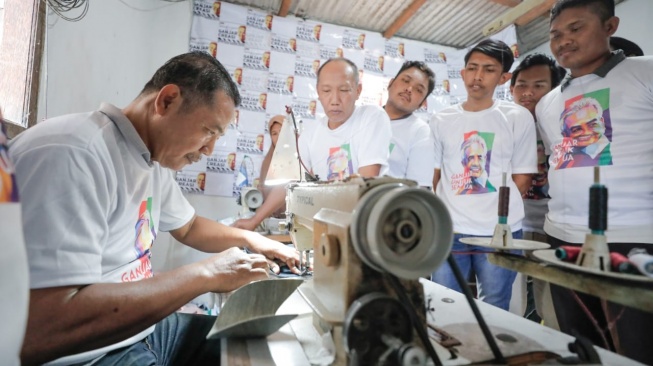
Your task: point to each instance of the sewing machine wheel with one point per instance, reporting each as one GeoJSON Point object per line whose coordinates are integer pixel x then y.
{"type": "Point", "coordinates": [402, 230]}
{"type": "Point", "coordinates": [377, 331]}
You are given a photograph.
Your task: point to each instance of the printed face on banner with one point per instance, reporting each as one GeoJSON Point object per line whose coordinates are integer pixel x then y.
{"type": "Point", "coordinates": [253, 101]}
{"type": "Point", "coordinates": [394, 48]}
{"type": "Point", "coordinates": [281, 43]}
{"type": "Point", "coordinates": [309, 31]}
{"type": "Point", "coordinates": [306, 67]}
{"type": "Point", "coordinates": [203, 45]}
{"type": "Point", "coordinates": [231, 33]}
{"type": "Point", "coordinates": [353, 39]}
{"type": "Point", "coordinates": [281, 83]}
{"type": "Point", "coordinates": [434, 57]}
{"type": "Point", "coordinates": [373, 62]}
{"type": "Point", "coordinates": [258, 19]}
{"type": "Point", "coordinates": [222, 161]}
{"type": "Point", "coordinates": [209, 10]}
{"type": "Point", "coordinates": [256, 59]}
{"type": "Point", "coordinates": [327, 52]}
{"type": "Point", "coordinates": [305, 108]}
{"type": "Point", "coordinates": [250, 143]}
{"type": "Point", "coordinates": [216, 8]}
{"type": "Point", "coordinates": [249, 79]}
{"type": "Point", "coordinates": [238, 75]}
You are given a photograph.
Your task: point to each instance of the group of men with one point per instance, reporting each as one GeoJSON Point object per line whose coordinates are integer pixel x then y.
{"type": "Point", "coordinates": [110, 189]}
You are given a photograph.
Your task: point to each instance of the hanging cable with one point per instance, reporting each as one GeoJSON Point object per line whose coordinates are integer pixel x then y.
{"type": "Point", "coordinates": [62, 6]}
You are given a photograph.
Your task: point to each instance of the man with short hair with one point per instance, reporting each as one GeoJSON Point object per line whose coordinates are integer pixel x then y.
{"type": "Point", "coordinates": [580, 31]}
{"type": "Point", "coordinates": [535, 76]}
{"type": "Point", "coordinates": [475, 143]}
{"type": "Point", "coordinates": [349, 140]}
{"type": "Point", "coordinates": [411, 147]}
{"type": "Point", "coordinates": [98, 187]}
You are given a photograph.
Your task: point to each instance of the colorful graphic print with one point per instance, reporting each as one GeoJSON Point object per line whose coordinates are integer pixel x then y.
{"type": "Point", "coordinates": [8, 186]}
{"type": "Point", "coordinates": [476, 154]}
{"type": "Point", "coordinates": [540, 184]}
{"type": "Point", "coordinates": [339, 163]}
{"type": "Point", "coordinates": [586, 132]}
{"type": "Point", "coordinates": [145, 231]}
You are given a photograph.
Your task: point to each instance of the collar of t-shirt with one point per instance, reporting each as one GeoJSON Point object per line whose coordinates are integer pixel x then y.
{"type": "Point", "coordinates": [615, 58]}
{"type": "Point", "coordinates": [127, 129]}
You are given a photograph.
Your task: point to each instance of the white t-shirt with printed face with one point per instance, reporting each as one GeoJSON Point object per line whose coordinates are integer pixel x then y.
{"type": "Point", "coordinates": [609, 124]}
{"type": "Point", "coordinates": [411, 150]}
{"type": "Point", "coordinates": [96, 203]}
{"type": "Point", "coordinates": [361, 141]}
{"type": "Point", "coordinates": [472, 150]}
{"type": "Point", "coordinates": [14, 284]}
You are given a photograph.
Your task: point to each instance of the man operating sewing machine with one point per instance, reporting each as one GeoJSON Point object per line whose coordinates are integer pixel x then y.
{"type": "Point", "coordinates": [349, 140]}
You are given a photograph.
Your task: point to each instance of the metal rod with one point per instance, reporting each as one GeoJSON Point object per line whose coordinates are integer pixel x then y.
{"type": "Point", "coordinates": [498, 356]}
{"type": "Point", "coordinates": [417, 324]}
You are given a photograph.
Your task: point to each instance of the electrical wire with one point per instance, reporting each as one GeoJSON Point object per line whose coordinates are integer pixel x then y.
{"type": "Point", "coordinates": [62, 6]}
{"type": "Point", "coordinates": [312, 178]}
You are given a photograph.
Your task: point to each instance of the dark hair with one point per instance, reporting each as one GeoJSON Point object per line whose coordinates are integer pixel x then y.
{"type": "Point", "coordinates": [345, 60]}
{"type": "Point", "coordinates": [630, 48]}
{"type": "Point", "coordinates": [198, 75]}
{"type": "Point", "coordinates": [495, 49]}
{"type": "Point", "coordinates": [537, 59]}
{"type": "Point", "coordinates": [421, 66]}
{"type": "Point", "coordinates": [603, 8]}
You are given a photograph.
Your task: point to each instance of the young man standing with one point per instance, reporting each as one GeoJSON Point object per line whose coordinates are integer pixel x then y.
{"type": "Point", "coordinates": [535, 76]}
{"type": "Point", "coordinates": [475, 142]}
{"type": "Point", "coordinates": [411, 148]}
{"type": "Point", "coordinates": [580, 31]}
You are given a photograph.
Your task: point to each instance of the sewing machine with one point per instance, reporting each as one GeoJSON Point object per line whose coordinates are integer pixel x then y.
{"type": "Point", "coordinates": [372, 240]}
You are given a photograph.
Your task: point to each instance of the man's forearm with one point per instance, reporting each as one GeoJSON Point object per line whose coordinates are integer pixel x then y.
{"type": "Point", "coordinates": [523, 182]}
{"type": "Point", "coordinates": [68, 320]}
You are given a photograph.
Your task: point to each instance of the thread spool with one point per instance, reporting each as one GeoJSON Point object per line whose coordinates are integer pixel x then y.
{"type": "Point", "coordinates": [598, 215]}
{"type": "Point", "coordinates": [567, 253]}
{"type": "Point", "coordinates": [620, 263]}
{"type": "Point", "coordinates": [642, 260]}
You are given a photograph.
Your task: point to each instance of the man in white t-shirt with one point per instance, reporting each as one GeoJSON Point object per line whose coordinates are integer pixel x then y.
{"type": "Point", "coordinates": [411, 147]}
{"type": "Point", "coordinates": [14, 280]}
{"type": "Point", "coordinates": [475, 143]}
{"type": "Point", "coordinates": [535, 76]}
{"type": "Point", "coordinates": [600, 116]}
{"type": "Point", "coordinates": [349, 140]}
{"type": "Point", "coordinates": [97, 189]}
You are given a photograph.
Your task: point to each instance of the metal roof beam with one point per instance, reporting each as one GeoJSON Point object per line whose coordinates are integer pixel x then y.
{"type": "Point", "coordinates": [284, 8]}
{"type": "Point", "coordinates": [403, 18]}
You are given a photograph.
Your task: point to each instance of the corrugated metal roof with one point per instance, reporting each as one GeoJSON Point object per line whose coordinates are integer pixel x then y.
{"type": "Point", "coordinates": [454, 23]}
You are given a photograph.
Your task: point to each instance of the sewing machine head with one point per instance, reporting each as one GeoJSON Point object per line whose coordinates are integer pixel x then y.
{"type": "Point", "coordinates": [364, 233]}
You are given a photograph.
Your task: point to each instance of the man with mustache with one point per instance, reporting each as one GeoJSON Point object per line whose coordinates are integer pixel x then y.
{"type": "Point", "coordinates": [97, 189]}
{"type": "Point", "coordinates": [411, 147]}
{"type": "Point", "coordinates": [606, 95]}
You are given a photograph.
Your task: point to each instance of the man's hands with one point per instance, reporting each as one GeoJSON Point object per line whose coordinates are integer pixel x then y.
{"type": "Point", "coordinates": [274, 252]}
{"type": "Point", "coordinates": [246, 224]}
{"type": "Point", "coordinates": [234, 268]}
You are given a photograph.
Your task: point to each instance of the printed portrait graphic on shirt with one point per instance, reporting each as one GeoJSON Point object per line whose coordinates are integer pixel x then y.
{"type": "Point", "coordinates": [145, 232]}
{"type": "Point", "coordinates": [476, 154]}
{"type": "Point", "coordinates": [8, 190]}
{"type": "Point", "coordinates": [539, 188]}
{"type": "Point", "coordinates": [339, 163]}
{"type": "Point", "coordinates": [586, 132]}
